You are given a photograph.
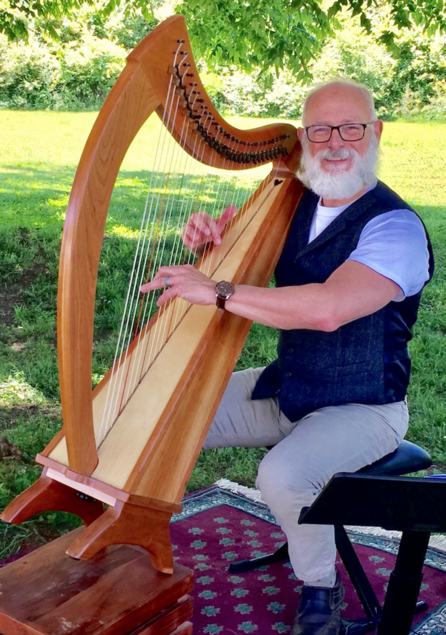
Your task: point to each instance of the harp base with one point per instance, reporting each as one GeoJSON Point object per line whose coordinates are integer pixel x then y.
{"type": "Point", "coordinates": [126, 523]}
{"type": "Point", "coordinates": [49, 495]}
{"type": "Point", "coordinates": [137, 521]}
{"type": "Point", "coordinates": [117, 592]}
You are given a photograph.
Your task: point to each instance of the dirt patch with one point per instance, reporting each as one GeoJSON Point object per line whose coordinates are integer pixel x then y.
{"type": "Point", "coordinates": [436, 468]}
{"type": "Point", "coordinates": [9, 416]}
{"type": "Point", "coordinates": [10, 298]}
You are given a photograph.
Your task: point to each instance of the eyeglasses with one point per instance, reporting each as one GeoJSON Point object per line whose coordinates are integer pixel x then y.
{"type": "Point", "coordinates": [347, 132]}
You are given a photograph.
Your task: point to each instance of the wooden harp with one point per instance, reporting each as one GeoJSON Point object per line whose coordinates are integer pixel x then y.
{"type": "Point", "coordinates": [140, 467]}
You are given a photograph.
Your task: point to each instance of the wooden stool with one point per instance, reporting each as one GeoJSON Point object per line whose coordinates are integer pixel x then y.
{"type": "Point", "coordinates": [117, 592]}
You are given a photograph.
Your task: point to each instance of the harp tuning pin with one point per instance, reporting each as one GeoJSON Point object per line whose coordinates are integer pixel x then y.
{"type": "Point", "coordinates": [181, 41]}
{"type": "Point", "coordinates": [190, 75]}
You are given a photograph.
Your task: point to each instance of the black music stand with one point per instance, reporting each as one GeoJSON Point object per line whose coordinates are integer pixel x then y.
{"type": "Point", "coordinates": [411, 505]}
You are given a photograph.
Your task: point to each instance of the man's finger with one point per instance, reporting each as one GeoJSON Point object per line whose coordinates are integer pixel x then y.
{"type": "Point", "coordinates": [215, 231]}
{"type": "Point", "coordinates": [226, 216]}
{"type": "Point", "coordinates": [166, 295]}
{"type": "Point", "coordinates": [199, 223]}
{"type": "Point", "coordinates": [192, 238]}
{"type": "Point", "coordinates": [157, 282]}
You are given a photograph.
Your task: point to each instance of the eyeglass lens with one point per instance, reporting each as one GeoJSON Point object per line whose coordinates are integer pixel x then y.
{"type": "Point", "coordinates": [348, 132]}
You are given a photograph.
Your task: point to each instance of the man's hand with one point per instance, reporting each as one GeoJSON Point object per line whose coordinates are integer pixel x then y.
{"type": "Point", "coordinates": [201, 229]}
{"type": "Point", "coordinates": [182, 281]}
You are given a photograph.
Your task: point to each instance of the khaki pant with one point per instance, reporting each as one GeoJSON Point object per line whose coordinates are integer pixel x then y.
{"type": "Point", "coordinates": [305, 456]}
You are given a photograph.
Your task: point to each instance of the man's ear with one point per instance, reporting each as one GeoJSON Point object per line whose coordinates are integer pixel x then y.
{"type": "Point", "coordinates": [300, 133]}
{"type": "Point", "coordinates": [378, 127]}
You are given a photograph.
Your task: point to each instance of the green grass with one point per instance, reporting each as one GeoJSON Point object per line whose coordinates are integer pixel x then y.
{"type": "Point", "coordinates": [39, 152]}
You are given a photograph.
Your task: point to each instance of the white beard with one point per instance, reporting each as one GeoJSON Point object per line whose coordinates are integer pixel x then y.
{"type": "Point", "coordinates": [338, 183]}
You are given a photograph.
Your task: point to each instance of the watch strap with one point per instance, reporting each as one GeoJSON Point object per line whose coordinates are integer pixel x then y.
{"type": "Point", "coordinates": [220, 302]}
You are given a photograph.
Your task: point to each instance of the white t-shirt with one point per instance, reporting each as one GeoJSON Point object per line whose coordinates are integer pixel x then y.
{"type": "Point", "coordinates": [393, 244]}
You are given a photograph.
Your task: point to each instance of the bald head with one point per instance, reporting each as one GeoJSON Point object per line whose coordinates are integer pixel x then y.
{"type": "Point", "coordinates": [343, 91]}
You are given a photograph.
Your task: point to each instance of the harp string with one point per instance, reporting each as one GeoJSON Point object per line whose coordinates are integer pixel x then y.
{"type": "Point", "coordinates": [178, 320]}
{"type": "Point", "coordinates": [210, 264]}
{"type": "Point", "coordinates": [127, 323]}
{"type": "Point", "coordinates": [153, 242]}
{"type": "Point", "coordinates": [159, 335]}
{"type": "Point", "coordinates": [217, 264]}
{"type": "Point", "coordinates": [176, 256]}
{"type": "Point", "coordinates": [155, 354]}
{"type": "Point", "coordinates": [156, 261]}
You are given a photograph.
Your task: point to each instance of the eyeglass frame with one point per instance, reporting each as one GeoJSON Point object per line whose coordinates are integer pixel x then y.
{"type": "Point", "coordinates": [338, 128]}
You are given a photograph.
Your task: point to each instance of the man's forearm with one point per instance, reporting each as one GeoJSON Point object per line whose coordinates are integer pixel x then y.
{"type": "Point", "coordinates": [352, 292]}
{"type": "Point", "coordinates": [284, 308]}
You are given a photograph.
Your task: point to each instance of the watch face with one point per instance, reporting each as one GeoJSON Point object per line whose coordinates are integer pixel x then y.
{"type": "Point", "coordinates": [224, 289]}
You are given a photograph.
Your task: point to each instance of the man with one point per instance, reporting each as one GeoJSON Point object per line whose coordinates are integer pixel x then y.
{"type": "Point", "coordinates": [348, 287]}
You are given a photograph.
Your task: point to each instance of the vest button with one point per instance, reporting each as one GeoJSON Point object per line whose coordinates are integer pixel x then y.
{"type": "Point", "coordinates": [288, 374]}
{"type": "Point", "coordinates": [291, 350]}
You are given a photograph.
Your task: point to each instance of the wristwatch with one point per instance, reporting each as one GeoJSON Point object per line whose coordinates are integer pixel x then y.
{"type": "Point", "coordinates": [223, 291]}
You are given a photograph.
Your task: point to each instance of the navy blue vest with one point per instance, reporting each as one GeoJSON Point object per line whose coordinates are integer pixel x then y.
{"type": "Point", "coordinates": [365, 361]}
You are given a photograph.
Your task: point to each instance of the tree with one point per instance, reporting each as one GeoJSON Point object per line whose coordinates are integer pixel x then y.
{"type": "Point", "coordinates": [289, 33]}
{"type": "Point", "coordinates": [250, 34]}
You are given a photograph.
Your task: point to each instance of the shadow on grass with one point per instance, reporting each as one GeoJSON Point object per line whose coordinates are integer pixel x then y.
{"type": "Point", "coordinates": [38, 197]}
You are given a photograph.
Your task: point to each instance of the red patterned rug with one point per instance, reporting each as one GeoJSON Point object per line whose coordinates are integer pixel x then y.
{"type": "Point", "coordinates": [218, 527]}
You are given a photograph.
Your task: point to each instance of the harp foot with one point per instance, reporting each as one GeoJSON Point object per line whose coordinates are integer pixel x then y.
{"type": "Point", "coordinates": [126, 523]}
{"type": "Point", "coordinates": [48, 495]}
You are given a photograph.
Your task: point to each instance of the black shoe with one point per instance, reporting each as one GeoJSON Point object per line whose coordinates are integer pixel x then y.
{"type": "Point", "coordinates": [319, 612]}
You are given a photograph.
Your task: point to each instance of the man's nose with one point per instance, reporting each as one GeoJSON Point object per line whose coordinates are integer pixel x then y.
{"type": "Point", "coordinates": [336, 140]}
